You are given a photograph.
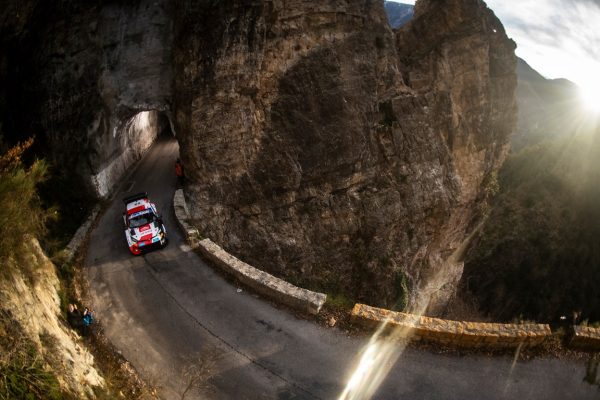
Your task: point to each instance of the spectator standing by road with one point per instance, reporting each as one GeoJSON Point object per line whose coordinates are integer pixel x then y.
{"type": "Point", "coordinates": [74, 317]}
{"type": "Point", "coordinates": [179, 172]}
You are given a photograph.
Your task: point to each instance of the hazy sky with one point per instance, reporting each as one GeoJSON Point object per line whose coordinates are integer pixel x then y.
{"type": "Point", "coordinates": [558, 38]}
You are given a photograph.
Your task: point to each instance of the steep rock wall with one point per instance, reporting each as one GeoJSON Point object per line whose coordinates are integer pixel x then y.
{"type": "Point", "coordinates": [329, 151]}
{"type": "Point", "coordinates": [318, 144]}
{"type": "Point", "coordinates": [29, 292]}
{"type": "Point", "coordinates": [76, 74]}
{"type": "Point", "coordinates": [466, 66]}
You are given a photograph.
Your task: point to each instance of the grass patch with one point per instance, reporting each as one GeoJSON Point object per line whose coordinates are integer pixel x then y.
{"type": "Point", "coordinates": [339, 301]}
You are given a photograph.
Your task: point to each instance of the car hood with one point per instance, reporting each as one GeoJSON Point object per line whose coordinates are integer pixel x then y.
{"type": "Point", "coordinates": [144, 232]}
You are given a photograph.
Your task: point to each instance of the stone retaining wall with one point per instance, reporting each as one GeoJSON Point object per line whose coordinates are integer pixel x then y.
{"type": "Point", "coordinates": [260, 281]}
{"type": "Point", "coordinates": [585, 338]}
{"type": "Point", "coordinates": [182, 215]}
{"type": "Point", "coordinates": [263, 282]}
{"type": "Point", "coordinates": [80, 234]}
{"type": "Point", "coordinates": [456, 333]}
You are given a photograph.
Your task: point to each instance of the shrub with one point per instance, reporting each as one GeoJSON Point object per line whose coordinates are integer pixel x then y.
{"type": "Point", "coordinates": [20, 209]}
{"type": "Point", "coordinates": [402, 285]}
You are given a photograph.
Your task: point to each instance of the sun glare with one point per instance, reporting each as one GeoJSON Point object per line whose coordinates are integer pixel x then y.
{"type": "Point", "coordinates": [590, 97]}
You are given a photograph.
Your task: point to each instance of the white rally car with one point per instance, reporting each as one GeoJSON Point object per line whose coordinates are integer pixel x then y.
{"type": "Point", "coordinates": [144, 229]}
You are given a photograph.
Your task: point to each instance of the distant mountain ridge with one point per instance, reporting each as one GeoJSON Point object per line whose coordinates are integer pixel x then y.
{"type": "Point", "coordinates": [398, 13]}
{"type": "Point", "coordinates": [537, 256]}
{"type": "Point", "coordinates": [547, 107]}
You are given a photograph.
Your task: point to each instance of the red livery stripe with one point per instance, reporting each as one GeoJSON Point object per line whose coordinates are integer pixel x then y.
{"type": "Point", "coordinates": [136, 209]}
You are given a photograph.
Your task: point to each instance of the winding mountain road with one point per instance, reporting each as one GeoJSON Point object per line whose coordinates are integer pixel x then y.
{"type": "Point", "coordinates": [167, 310]}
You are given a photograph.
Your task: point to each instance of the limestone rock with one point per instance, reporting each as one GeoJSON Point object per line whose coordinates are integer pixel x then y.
{"type": "Point", "coordinates": [77, 74]}
{"type": "Point", "coordinates": [34, 303]}
{"type": "Point", "coordinates": [319, 145]}
{"type": "Point", "coordinates": [325, 149]}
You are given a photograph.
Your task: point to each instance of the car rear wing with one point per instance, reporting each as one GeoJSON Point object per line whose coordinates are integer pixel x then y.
{"type": "Point", "coordinates": [135, 197]}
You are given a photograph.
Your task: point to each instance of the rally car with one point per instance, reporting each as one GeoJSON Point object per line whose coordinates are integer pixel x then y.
{"type": "Point", "coordinates": [144, 229]}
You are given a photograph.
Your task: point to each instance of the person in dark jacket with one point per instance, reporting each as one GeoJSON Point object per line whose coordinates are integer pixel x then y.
{"type": "Point", "coordinates": [74, 317]}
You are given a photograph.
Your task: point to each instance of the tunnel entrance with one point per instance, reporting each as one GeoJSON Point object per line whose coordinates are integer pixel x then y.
{"type": "Point", "coordinates": [129, 141]}
{"type": "Point", "coordinates": [143, 128]}
{"type": "Point", "coordinates": [165, 127]}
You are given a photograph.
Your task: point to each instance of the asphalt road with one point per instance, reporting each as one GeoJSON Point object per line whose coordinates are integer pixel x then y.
{"type": "Point", "coordinates": [177, 322]}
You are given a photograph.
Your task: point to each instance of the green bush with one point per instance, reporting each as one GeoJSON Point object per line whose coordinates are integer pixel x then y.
{"type": "Point", "coordinates": [20, 209]}
{"type": "Point", "coordinates": [402, 284]}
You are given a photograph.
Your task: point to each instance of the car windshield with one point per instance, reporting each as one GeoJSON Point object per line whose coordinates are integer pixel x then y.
{"type": "Point", "coordinates": [140, 220]}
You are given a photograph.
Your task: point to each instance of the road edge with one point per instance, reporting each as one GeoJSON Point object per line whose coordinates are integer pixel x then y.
{"type": "Point", "coordinates": [262, 282]}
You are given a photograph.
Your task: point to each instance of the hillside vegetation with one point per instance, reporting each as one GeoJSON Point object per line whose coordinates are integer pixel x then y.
{"type": "Point", "coordinates": [40, 356]}
{"type": "Point", "coordinates": [20, 208]}
{"type": "Point", "coordinates": [539, 254]}
{"type": "Point", "coordinates": [23, 372]}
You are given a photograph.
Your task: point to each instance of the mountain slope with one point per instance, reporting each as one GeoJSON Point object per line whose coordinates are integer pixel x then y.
{"type": "Point", "coordinates": [538, 256]}
{"type": "Point", "coordinates": [398, 13]}
{"type": "Point", "coordinates": [548, 108]}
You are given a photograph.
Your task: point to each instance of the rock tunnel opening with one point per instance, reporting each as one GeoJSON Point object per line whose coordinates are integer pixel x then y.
{"type": "Point", "coordinates": [147, 126]}
{"type": "Point", "coordinates": [128, 143]}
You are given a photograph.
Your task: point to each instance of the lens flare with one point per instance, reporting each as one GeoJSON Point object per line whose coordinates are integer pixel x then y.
{"type": "Point", "coordinates": [367, 362]}
{"type": "Point", "coordinates": [389, 341]}
{"type": "Point", "coordinates": [376, 360]}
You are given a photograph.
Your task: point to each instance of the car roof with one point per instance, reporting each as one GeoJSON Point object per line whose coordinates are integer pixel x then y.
{"type": "Point", "coordinates": [138, 205]}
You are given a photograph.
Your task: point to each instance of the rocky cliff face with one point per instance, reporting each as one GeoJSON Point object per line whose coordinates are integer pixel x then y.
{"type": "Point", "coordinates": [76, 75]}
{"type": "Point", "coordinates": [324, 148]}
{"type": "Point", "coordinates": [29, 292]}
{"type": "Point", "coordinates": [319, 144]}
{"type": "Point", "coordinates": [469, 74]}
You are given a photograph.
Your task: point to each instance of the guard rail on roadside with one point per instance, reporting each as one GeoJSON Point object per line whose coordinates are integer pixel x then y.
{"type": "Point", "coordinates": [585, 338]}
{"type": "Point", "coordinates": [260, 281]}
{"type": "Point", "coordinates": [454, 333]}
